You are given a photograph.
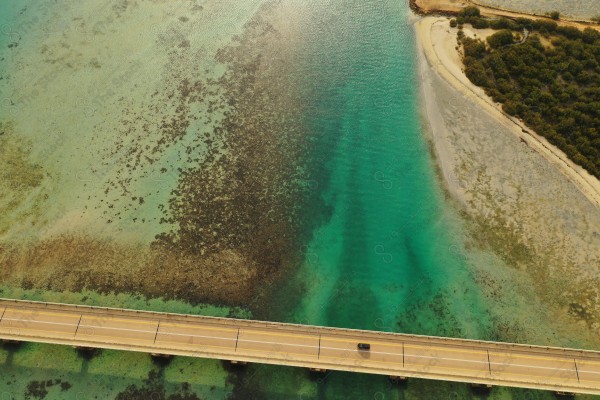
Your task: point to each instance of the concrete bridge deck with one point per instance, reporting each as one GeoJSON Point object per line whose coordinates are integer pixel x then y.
{"type": "Point", "coordinates": [396, 355]}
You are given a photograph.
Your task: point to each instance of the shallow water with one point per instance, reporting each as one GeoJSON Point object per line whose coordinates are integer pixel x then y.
{"type": "Point", "coordinates": [385, 250]}
{"type": "Point", "coordinates": [387, 244]}
{"type": "Point", "coordinates": [390, 254]}
{"type": "Point", "coordinates": [86, 88]}
{"type": "Point", "coordinates": [385, 258]}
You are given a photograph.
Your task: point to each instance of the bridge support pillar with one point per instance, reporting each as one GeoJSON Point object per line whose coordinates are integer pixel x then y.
{"type": "Point", "coordinates": [481, 388]}
{"type": "Point", "coordinates": [84, 348]}
{"type": "Point", "coordinates": [398, 379]}
{"type": "Point", "coordinates": [87, 352]}
{"type": "Point", "coordinates": [481, 385]}
{"type": "Point", "coordinates": [159, 355]}
{"type": "Point", "coordinates": [565, 395]}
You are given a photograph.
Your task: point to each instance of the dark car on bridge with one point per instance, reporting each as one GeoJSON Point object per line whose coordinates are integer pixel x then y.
{"type": "Point", "coordinates": [364, 346]}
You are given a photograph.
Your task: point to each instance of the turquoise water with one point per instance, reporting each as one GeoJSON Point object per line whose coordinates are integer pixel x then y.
{"type": "Point", "coordinates": [386, 255]}
{"type": "Point", "coordinates": [387, 244]}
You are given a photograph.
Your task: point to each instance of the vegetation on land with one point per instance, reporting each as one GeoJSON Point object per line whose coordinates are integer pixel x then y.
{"type": "Point", "coordinates": [550, 80]}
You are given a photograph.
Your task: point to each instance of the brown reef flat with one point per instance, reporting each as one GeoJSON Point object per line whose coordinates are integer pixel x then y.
{"type": "Point", "coordinates": [232, 221]}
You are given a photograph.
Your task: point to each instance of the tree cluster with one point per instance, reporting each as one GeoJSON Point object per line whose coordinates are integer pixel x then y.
{"type": "Point", "coordinates": [553, 87]}
{"type": "Point", "coordinates": [501, 38]}
{"type": "Point", "coordinates": [471, 15]}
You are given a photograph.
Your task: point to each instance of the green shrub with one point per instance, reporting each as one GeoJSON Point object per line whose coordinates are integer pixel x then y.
{"type": "Point", "coordinates": [590, 36]}
{"type": "Point", "coordinates": [545, 26]}
{"type": "Point", "coordinates": [555, 15]}
{"type": "Point", "coordinates": [480, 23]}
{"type": "Point", "coordinates": [500, 38]}
{"type": "Point", "coordinates": [453, 23]}
{"type": "Point", "coordinates": [473, 48]}
{"type": "Point", "coordinates": [501, 23]}
{"type": "Point", "coordinates": [570, 32]}
{"type": "Point", "coordinates": [524, 22]}
{"type": "Point", "coordinates": [476, 72]}
{"type": "Point", "coordinates": [510, 107]}
{"type": "Point", "coordinates": [470, 11]}
{"type": "Point", "coordinates": [505, 23]}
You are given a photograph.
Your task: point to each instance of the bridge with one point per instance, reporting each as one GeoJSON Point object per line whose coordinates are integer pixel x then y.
{"type": "Point", "coordinates": [399, 356]}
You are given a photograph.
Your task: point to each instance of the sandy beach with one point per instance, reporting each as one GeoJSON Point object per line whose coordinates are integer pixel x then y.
{"type": "Point", "coordinates": [525, 201]}
{"type": "Point", "coordinates": [492, 9]}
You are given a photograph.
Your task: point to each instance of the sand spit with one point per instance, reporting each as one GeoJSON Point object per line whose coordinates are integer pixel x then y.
{"type": "Point", "coordinates": [523, 199]}
{"type": "Point", "coordinates": [439, 46]}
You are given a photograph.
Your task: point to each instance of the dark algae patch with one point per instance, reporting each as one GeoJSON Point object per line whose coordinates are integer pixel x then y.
{"type": "Point", "coordinates": [225, 147]}
{"type": "Point", "coordinates": [74, 264]}
{"type": "Point", "coordinates": [248, 196]}
{"type": "Point", "coordinates": [236, 216]}
{"type": "Point", "coordinates": [153, 388]}
{"type": "Point", "coordinates": [40, 389]}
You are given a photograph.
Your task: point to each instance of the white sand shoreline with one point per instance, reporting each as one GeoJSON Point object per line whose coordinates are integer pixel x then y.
{"type": "Point", "coordinates": [437, 41]}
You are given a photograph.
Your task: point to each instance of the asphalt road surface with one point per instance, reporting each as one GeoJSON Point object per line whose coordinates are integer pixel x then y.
{"type": "Point", "coordinates": [396, 355]}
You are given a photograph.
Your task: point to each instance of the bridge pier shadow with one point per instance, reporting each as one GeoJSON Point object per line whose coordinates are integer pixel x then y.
{"type": "Point", "coordinates": [320, 376]}
{"type": "Point", "coordinates": [161, 361]}
{"type": "Point", "coordinates": [481, 391]}
{"type": "Point", "coordinates": [377, 387]}
{"type": "Point", "coordinates": [234, 367]}
{"type": "Point", "coordinates": [399, 384]}
{"type": "Point", "coordinates": [11, 347]}
{"type": "Point", "coordinates": [86, 354]}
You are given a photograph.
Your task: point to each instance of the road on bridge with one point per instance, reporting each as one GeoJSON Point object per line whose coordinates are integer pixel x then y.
{"type": "Point", "coordinates": [396, 355]}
